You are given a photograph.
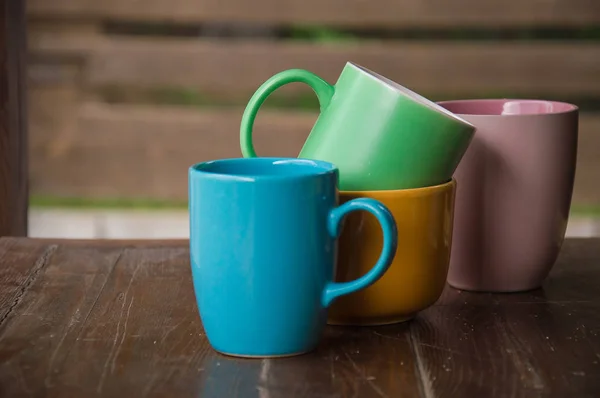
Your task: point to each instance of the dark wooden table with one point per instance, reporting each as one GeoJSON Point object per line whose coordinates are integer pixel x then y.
{"type": "Point", "coordinates": [93, 318]}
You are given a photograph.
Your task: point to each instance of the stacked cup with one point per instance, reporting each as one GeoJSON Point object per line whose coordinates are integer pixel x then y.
{"type": "Point", "coordinates": [399, 148]}
{"type": "Point", "coordinates": [268, 270]}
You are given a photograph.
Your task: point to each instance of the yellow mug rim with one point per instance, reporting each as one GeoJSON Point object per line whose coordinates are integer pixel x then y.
{"type": "Point", "coordinates": [410, 192]}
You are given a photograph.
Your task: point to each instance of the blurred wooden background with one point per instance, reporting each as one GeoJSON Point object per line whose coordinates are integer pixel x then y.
{"type": "Point", "coordinates": [126, 94]}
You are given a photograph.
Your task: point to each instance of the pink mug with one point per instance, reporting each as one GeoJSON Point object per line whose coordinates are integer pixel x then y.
{"type": "Point", "coordinates": [514, 188]}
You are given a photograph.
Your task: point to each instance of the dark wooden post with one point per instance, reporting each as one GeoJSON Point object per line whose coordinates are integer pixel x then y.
{"type": "Point", "coordinates": [13, 119]}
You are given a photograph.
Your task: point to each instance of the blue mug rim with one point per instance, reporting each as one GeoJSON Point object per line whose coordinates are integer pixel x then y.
{"type": "Point", "coordinates": [310, 168]}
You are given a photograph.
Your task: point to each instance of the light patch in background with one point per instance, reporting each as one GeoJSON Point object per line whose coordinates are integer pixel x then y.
{"type": "Point", "coordinates": [127, 224]}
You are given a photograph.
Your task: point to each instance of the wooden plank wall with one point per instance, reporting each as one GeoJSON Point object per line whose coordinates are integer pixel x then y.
{"type": "Point", "coordinates": [354, 13]}
{"type": "Point", "coordinates": [85, 146]}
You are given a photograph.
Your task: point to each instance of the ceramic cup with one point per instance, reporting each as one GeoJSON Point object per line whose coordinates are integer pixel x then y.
{"type": "Point", "coordinates": [263, 244]}
{"type": "Point", "coordinates": [379, 134]}
{"type": "Point", "coordinates": [417, 276]}
{"type": "Point", "coordinates": [514, 193]}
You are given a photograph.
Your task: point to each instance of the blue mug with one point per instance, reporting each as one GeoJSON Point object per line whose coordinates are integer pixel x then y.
{"type": "Point", "coordinates": [263, 250]}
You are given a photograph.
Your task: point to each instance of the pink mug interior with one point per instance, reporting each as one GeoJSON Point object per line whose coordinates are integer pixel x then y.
{"type": "Point", "coordinates": [501, 107]}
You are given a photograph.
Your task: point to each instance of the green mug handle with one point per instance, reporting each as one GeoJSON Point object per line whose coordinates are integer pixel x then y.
{"type": "Point", "coordinates": [322, 89]}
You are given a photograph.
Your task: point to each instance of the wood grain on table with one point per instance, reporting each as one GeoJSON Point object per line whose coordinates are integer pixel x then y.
{"type": "Point", "coordinates": [115, 318]}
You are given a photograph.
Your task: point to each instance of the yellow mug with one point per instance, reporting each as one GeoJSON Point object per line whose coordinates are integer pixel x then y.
{"type": "Point", "coordinates": [417, 276]}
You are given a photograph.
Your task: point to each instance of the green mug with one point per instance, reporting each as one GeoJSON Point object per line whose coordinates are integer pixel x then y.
{"type": "Point", "coordinates": [378, 133]}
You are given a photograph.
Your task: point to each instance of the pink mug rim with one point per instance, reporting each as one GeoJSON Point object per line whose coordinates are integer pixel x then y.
{"type": "Point", "coordinates": [566, 106]}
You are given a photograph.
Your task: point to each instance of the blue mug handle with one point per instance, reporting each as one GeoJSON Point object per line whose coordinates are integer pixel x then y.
{"type": "Point", "coordinates": [334, 290]}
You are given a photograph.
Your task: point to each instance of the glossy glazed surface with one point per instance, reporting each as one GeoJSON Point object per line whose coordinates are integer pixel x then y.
{"type": "Point", "coordinates": [263, 243]}
{"type": "Point", "coordinates": [417, 276]}
{"type": "Point", "coordinates": [514, 193]}
{"type": "Point", "coordinates": [378, 133]}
